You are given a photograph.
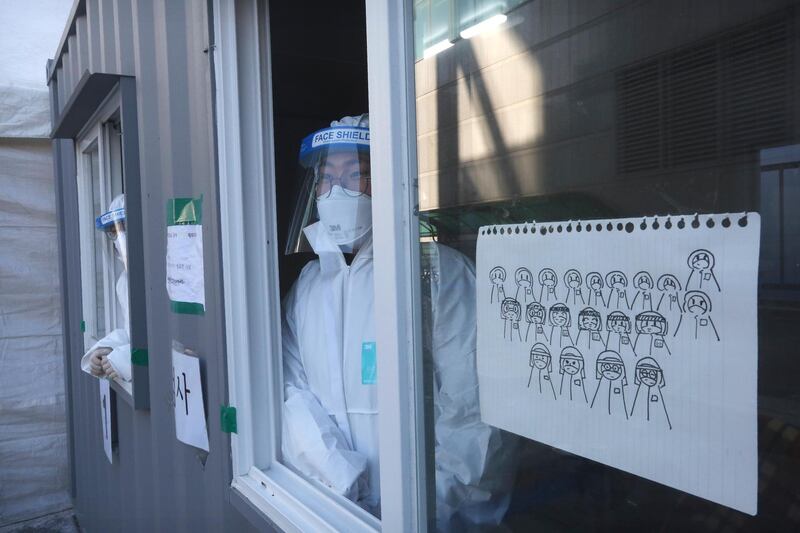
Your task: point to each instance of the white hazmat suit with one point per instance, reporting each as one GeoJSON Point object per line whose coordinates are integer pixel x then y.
{"type": "Point", "coordinates": [330, 422]}
{"type": "Point", "coordinates": [118, 340]}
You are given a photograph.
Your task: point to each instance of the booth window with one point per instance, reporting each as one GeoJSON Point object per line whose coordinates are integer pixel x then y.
{"type": "Point", "coordinates": [300, 455]}
{"type": "Point", "coordinates": [101, 186]}
{"type": "Point", "coordinates": [568, 112]}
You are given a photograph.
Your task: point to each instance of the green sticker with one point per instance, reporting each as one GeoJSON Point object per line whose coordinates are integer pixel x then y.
{"type": "Point", "coordinates": [369, 365]}
{"type": "Point", "coordinates": [83, 326]}
{"type": "Point", "coordinates": [140, 357]}
{"type": "Point", "coordinates": [227, 418]}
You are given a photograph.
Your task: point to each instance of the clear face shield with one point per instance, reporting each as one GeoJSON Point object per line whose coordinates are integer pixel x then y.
{"type": "Point", "coordinates": [112, 224]}
{"type": "Point", "coordinates": [336, 190]}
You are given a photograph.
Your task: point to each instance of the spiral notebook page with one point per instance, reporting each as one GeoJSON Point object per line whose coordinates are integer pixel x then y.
{"type": "Point", "coordinates": [631, 342]}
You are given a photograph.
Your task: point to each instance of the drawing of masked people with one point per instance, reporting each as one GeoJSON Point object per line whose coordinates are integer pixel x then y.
{"type": "Point", "coordinates": [669, 302]}
{"type": "Point", "coordinates": [590, 326]}
{"type": "Point", "coordinates": [649, 399]}
{"type": "Point", "coordinates": [573, 280]}
{"type": "Point", "coordinates": [547, 281]}
{"type": "Point", "coordinates": [573, 371]}
{"type": "Point", "coordinates": [594, 282]}
{"type": "Point", "coordinates": [617, 283]}
{"type": "Point", "coordinates": [643, 301]}
{"type": "Point", "coordinates": [651, 329]}
{"type": "Point", "coordinates": [697, 305]}
{"type": "Point", "coordinates": [560, 322]}
{"type": "Point", "coordinates": [535, 314]}
{"type": "Point", "coordinates": [618, 338]}
{"type": "Point", "coordinates": [511, 312]}
{"type": "Point", "coordinates": [611, 382]}
{"type": "Point", "coordinates": [497, 276]}
{"type": "Point", "coordinates": [542, 362]}
{"type": "Point", "coordinates": [524, 280]}
{"type": "Point", "coordinates": [701, 263]}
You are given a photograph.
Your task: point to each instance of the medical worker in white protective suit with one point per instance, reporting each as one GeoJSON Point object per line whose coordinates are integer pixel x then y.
{"type": "Point", "coordinates": [330, 422]}
{"type": "Point", "coordinates": [110, 357]}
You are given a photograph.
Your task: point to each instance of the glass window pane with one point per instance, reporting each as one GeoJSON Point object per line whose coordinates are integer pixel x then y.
{"type": "Point", "coordinates": [585, 110]}
{"type": "Point", "coordinates": [99, 247]}
{"type": "Point", "coordinates": [329, 412]}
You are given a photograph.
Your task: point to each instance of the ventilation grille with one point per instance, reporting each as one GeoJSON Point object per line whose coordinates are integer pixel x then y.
{"type": "Point", "coordinates": [724, 97]}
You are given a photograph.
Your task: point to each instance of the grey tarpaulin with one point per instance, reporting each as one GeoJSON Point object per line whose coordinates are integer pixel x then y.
{"type": "Point", "coordinates": [33, 436]}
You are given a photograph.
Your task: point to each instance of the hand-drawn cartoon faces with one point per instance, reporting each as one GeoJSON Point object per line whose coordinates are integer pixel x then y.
{"type": "Point", "coordinates": [560, 316]}
{"type": "Point", "coordinates": [542, 361]}
{"type": "Point", "coordinates": [573, 374]}
{"type": "Point", "coordinates": [535, 313]}
{"type": "Point", "coordinates": [669, 287]}
{"type": "Point", "coordinates": [668, 283]}
{"type": "Point", "coordinates": [497, 276]}
{"type": "Point", "coordinates": [701, 262]}
{"type": "Point", "coordinates": [611, 381]}
{"type": "Point", "coordinates": [572, 278]}
{"type": "Point", "coordinates": [643, 281]}
{"type": "Point", "coordinates": [548, 281]}
{"type": "Point", "coordinates": [510, 309]}
{"type": "Point", "coordinates": [610, 366]}
{"type": "Point", "coordinates": [652, 323]}
{"type": "Point", "coordinates": [510, 312]}
{"type": "Point", "coordinates": [649, 373]}
{"type": "Point", "coordinates": [524, 281]}
{"type": "Point", "coordinates": [697, 303]}
{"type": "Point", "coordinates": [594, 281]}
{"type": "Point", "coordinates": [651, 327]}
{"type": "Point", "coordinates": [540, 357]}
{"type": "Point", "coordinates": [590, 320]}
{"type": "Point", "coordinates": [571, 362]}
{"type": "Point", "coordinates": [618, 294]}
{"type": "Point", "coordinates": [616, 279]}
{"type": "Point", "coordinates": [618, 322]}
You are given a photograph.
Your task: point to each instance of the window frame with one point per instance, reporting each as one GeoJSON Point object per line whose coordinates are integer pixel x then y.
{"type": "Point", "coordinates": [245, 148]}
{"type": "Point", "coordinates": [97, 98]}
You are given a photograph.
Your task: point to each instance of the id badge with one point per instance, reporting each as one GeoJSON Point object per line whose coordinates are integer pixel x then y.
{"type": "Point", "coordinates": [369, 364]}
{"type": "Point", "coordinates": [703, 322]}
{"type": "Point", "coordinates": [564, 333]}
{"type": "Point", "coordinates": [659, 343]}
{"type": "Point", "coordinates": [707, 275]}
{"type": "Point", "coordinates": [625, 340]}
{"type": "Point", "coordinates": [595, 336]}
{"type": "Point", "coordinates": [539, 329]}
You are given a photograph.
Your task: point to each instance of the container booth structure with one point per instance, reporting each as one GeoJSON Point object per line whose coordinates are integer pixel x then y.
{"type": "Point", "coordinates": [483, 113]}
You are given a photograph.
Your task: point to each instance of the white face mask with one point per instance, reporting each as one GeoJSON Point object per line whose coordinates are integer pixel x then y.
{"type": "Point", "coordinates": [121, 244]}
{"type": "Point", "coordinates": [347, 218]}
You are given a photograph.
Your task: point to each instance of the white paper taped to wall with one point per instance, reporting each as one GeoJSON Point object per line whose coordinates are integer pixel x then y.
{"type": "Point", "coordinates": [632, 342]}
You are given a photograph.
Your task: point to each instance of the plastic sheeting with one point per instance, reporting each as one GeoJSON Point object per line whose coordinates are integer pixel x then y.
{"type": "Point", "coordinates": [33, 435]}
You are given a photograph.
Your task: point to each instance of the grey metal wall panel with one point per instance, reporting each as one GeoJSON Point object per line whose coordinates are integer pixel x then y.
{"type": "Point", "coordinates": [155, 483]}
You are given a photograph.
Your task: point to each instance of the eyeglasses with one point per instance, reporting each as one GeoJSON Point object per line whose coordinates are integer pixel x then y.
{"type": "Point", "coordinates": [353, 183]}
{"type": "Point", "coordinates": [113, 231]}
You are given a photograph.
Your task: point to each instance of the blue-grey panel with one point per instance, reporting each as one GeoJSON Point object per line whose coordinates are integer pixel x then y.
{"type": "Point", "coordinates": [155, 483]}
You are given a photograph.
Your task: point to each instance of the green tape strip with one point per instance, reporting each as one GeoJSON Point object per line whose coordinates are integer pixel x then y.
{"type": "Point", "coordinates": [83, 326]}
{"type": "Point", "coordinates": [187, 308]}
{"type": "Point", "coordinates": [227, 418]}
{"type": "Point", "coordinates": [182, 211]}
{"type": "Point", "coordinates": [140, 357]}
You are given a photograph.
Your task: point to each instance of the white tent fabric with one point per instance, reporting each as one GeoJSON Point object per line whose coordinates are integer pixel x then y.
{"type": "Point", "coordinates": [34, 468]}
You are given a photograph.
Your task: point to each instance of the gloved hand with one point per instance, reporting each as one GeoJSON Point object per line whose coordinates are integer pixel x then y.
{"type": "Point", "coordinates": [108, 369]}
{"type": "Point", "coordinates": [97, 359]}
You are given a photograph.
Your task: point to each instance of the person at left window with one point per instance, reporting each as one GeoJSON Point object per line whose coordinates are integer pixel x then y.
{"type": "Point", "coordinates": [110, 357]}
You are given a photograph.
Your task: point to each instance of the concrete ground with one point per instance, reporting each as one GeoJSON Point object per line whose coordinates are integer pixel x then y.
{"type": "Point", "coordinates": [61, 522]}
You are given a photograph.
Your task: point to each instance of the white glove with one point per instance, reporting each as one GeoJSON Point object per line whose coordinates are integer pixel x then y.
{"type": "Point", "coordinates": [97, 360]}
